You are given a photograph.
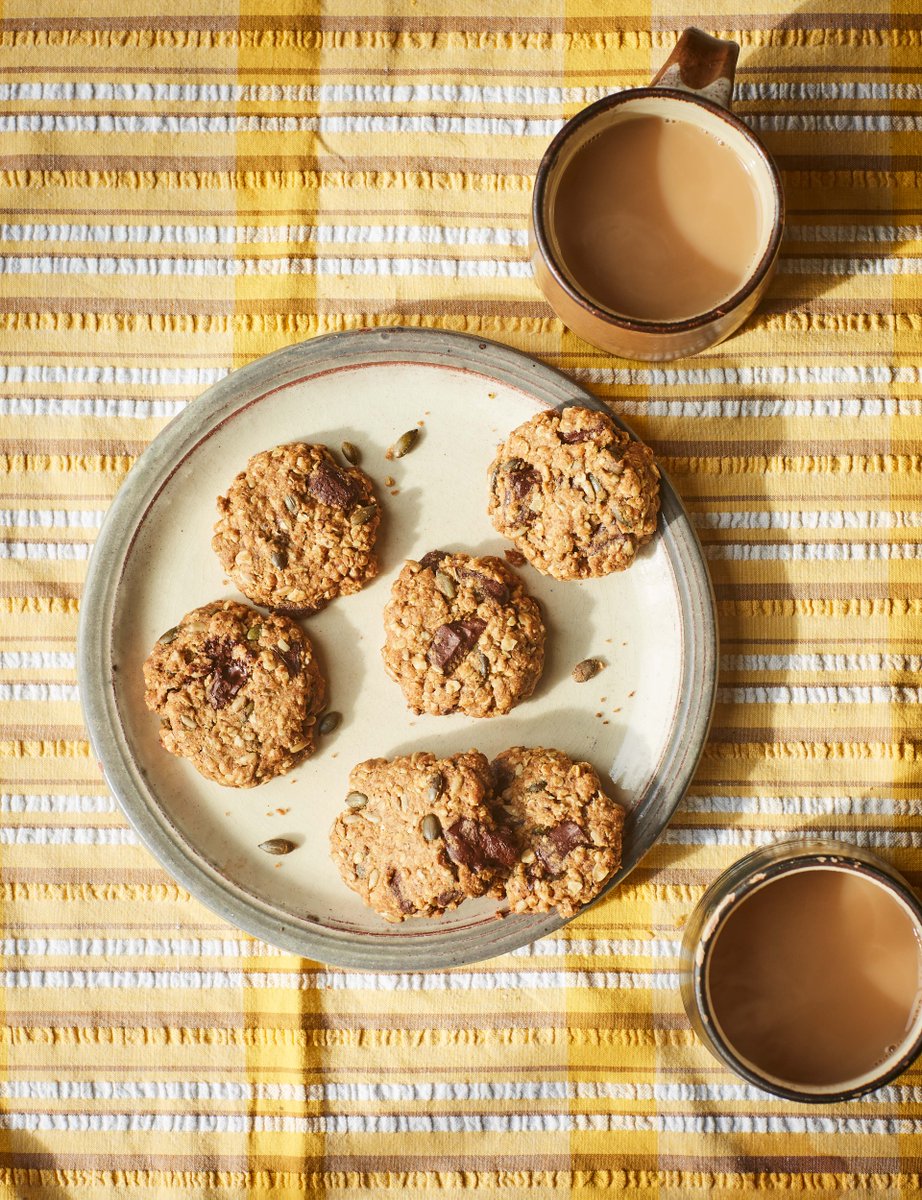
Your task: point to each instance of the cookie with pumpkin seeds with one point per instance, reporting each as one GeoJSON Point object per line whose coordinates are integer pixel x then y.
{"type": "Point", "coordinates": [417, 836]}
{"type": "Point", "coordinates": [568, 829]}
{"type": "Point", "coordinates": [577, 495]}
{"type": "Point", "coordinates": [462, 635]}
{"type": "Point", "coordinates": [237, 692]}
{"type": "Point", "coordinates": [296, 529]}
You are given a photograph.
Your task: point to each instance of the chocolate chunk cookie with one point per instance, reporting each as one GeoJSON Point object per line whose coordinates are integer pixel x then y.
{"type": "Point", "coordinates": [568, 829]}
{"type": "Point", "coordinates": [296, 530]}
{"type": "Point", "coordinates": [576, 494]}
{"type": "Point", "coordinates": [417, 837]}
{"type": "Point", "coordinates": [237, 692]}
{"type": "Point", "coordinates": [462, 635]}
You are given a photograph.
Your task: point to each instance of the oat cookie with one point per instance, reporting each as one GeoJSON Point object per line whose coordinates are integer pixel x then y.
{"type": "Point", "coordinates": [575, 494]}
{"type": "Point", "coordinates": [296, 529]}
{"type": "Point", "coordinates": [237, 692]}
{"type": "Point", "coordinates": [417, 836]}
{"type": "Point", "coordinates": [462, 635]}
{"type": "Point", "coordinates": [569, 830]}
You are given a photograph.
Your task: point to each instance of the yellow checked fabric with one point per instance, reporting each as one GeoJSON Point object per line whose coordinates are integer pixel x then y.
{"type": "Point", "coordinates": [180, 194]}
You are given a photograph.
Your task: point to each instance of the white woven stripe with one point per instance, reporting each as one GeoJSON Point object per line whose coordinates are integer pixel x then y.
{"type": "Point", "coordinates": [40, 693]}
{"type": "Point", "coordinates": [419, 93]}
{"type": "Point", "coordinates": [216, 124]}
{"type": "Point", "coordinates": [882, 265]}
{"type": "Point", "coordinates": [772, 406]}
{"type": "Point", "coordinates": [17, 803]}
{"type": "Point", "coordinates": [881, 838]}
{"type": "Point", "coordinates": [460, 268]}
{"type": "Point", "coordinates": [230, 1091]}
{"type": "Point", "coordinates": [133, 376]}
{"type": "Point", "coordinates": [817, 694]}
{"type": "Point", "coordinates": [50, 518]}
{"type": "Point", "coordinates": [49, 551]}
{"type": "Point", "coordinates": [805, 806]}
{"type": "Point", "coordinates": [56, 835]}
{"type": "Point", "coordinates": [814, 551]}
{"type": "Point", "coordinates": [513, 1122]}
{"type": "Point", "coordinates": [235, 235]}
{"type": "Point", "coordinates": [856, 373]}
{"type": "Point", "coordinates": [88, 406]}
{"type": "Point", "coordinates": [238, 948]}
{"type": "Point", "coordinates": [821, 662]}
{"type": "Point", "coordinates": [823, 519]}
{"type": "Point", "coordinates": [391, 234]}
{"type": "Point", "coordinates": [30, 660]}
{"type": "Point", "coordinates": [459, 981]}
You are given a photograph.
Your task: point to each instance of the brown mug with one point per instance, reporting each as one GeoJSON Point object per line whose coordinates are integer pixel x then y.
{"type": "Point", "coordinates": [694, 86]}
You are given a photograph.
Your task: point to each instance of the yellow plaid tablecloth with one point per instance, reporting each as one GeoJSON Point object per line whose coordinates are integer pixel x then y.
{"type": "Point", "coordinates": [180, 194]}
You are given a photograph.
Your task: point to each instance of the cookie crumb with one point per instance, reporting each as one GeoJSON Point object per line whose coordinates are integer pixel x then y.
{"type": "Point", "coordinates": [587, 669]}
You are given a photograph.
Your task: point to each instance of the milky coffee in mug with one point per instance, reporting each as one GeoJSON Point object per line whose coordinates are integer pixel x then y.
{"type": "Point", "coordinates": [802, 970]}
{"type": "Point", "coordinates": [657, 214]}
{"type": "Point", "coordinates": [658, 219]}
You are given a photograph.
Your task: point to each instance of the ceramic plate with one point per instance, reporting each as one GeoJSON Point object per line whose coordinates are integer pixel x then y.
{"type": "Point", "coordinates": [641, 722]}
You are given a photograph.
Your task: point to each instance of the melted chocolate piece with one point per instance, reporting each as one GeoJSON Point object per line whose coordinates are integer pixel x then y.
{"type": "Point", "coordinates": [477, 847]}
{"type": "Point", "coordinates": [454, 641]}
{"type": "Point", "coordinates": [228, 674]}
{"type": "Point", "coordinates": [522, 480]}
{"type": "Point", "coordinates": [331, 486]}
{"type": "Point", "coordinates": [581, 435]}
{"type": "Point", "coordinates": [431, 560]}
{"type": "Point", "coordinates": [503, 774]}
{"type": "Point", "coordinates": [494, 588]}
{"type": "Point", "coordinates": [557, 842]}
{"type": "Point", "coordinates": [393, 882]}
{"type": "Point", "coordinates": [443, 899]}
{"type": "Point", "coordinates": [291, 658]}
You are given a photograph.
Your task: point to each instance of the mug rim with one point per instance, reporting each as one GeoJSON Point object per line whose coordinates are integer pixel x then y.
{"type": "Point", "coordinates": [761, 876]}
{"type": "Point", "coordinates": [599, 311]}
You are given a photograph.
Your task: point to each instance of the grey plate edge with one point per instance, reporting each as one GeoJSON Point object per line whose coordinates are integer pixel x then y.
{"type": "Point", "coordinates": [697, 689]}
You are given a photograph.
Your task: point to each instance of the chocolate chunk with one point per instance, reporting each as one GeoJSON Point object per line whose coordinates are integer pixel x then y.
{"type": "Point", "coordinates": [443, 899]}
{"type": "Point", "coordinates": [493, 588]}
{"type": "Point", "coordinates": [228, 674]}
{"type": "Point", "coordinates": [393, 882]}
{"type": "Point", "coordinates": [522, 480]}
{"type": "Point", "coordinates": [581, 435]}
{"type": "Point", "coordinates": [329, 485]}
{"type": "Point", "coordinates": [502, 773]}
{"type": "Point", "coordinates": [452, 642]}
{"type": "Point", "coordinates": [477, 847]}
{"type": "Point", "coordinates": [557, 842]}
{"type": "Point", "coordinates": [432, 559]}
{"type": "Point", "coordinates": [291, 658]}
{"type": "Point", "coordinates": [516, 557]}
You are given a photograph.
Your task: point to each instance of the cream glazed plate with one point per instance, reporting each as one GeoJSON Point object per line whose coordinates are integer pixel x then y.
{"type": "Point", "coordinates": [653, 625]}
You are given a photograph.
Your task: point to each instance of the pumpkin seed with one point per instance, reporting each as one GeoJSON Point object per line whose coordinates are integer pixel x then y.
{"type": "Point", "coordinates": [277, 846]}
{"type": "Point", "coordinates": [436, 784]}
{"type": "Point", "coordinates": [403, 445]}
{"type": "Point", "coordinates": [586, 669]}
{"type": "Point", "coordinates": [292, 505]}
{"type": "Point", "coordinates": [483, 664]}
{"type": "Point", "coordinates": [594, 484]}
{"type": "Point", "coordinates": [328, 722]}
{"type": "Point", "coordinates": [373, 879]}
{"type": "Point", "coordinates": [351, 452]}
{"type": "Point", "coordinates": [432, 827]}
{"type": "Point", "coordinates": [540, 786]}
{"type": "Point", "coordinates": [253, 633]}
{"type": "Point", "coordinates": [361, 516]}
{"type": "Point", "coordinates": [279, 559]}
{"type": "Point", "coordinates": [446, 585]}
{"type": "Point", "coordinates": [356, 800]}
{"type": "Point", "coordinates": [169, 636]}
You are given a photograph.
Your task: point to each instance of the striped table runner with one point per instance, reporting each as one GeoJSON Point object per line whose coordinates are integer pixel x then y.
{"type": "Point", "coordinates": [182, 193]}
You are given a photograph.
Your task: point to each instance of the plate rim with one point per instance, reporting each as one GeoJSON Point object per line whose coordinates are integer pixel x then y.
{"type": "Point", "coordinates": [124, 517]}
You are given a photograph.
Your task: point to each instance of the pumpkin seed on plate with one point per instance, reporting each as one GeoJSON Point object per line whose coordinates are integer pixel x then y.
{"type": "Point", "coordinates": [277, 846]}
{"type": "Point", "coordinates": [328, 722]}
{"type": "Point", "coordinates": [403, 445]}
{"type": "Point", "coordinates": [351, 452]}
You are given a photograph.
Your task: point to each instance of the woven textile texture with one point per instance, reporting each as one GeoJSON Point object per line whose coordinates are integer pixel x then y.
{"type": "Point", "coordinates": [182, 193]}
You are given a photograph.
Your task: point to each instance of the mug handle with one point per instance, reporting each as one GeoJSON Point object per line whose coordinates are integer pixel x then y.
{"type": "Point", "coordinates": [702, 65]}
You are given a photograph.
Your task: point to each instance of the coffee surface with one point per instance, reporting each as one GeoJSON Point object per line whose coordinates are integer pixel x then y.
{"type": "Point", "coordinates": [657, 219]}
{"type": "Point", "coordinates": [815, 977]}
